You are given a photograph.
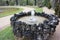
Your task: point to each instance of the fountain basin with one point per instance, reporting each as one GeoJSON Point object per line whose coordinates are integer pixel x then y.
{"type": "Point", "coordinates": [37, 20]}
{"type": "Point", "coordinates": [40, 27]}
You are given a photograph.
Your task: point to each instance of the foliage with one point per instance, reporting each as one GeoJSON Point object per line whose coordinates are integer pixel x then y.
{"type": "Point", "coordinates": [57, 9]}
{"type": "Point", "coordinates": [47, 3]}
{"type": "Point", "coordinates": [30, 2]}
{"type": "Point", "coordinates": [22, 2]}
{"type": "Point", "coordinates": [11, 3]}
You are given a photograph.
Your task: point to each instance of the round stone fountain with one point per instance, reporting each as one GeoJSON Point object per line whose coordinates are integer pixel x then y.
{"type": "Point", "coordinates": [32, 19]}
{"type": "Point", "coordinates": [33, 25]}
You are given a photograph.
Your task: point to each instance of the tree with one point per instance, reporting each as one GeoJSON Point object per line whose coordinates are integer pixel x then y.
{"type": "Point", "coordinates": [57, 7]}
{"type": "Point", "coordinates": [0, 2]}
{"type": "Point", "coordinates": [16, 2]}
{"type": "Point", "coordinates": [7, 2]}
{"type": "Point", "coordinates": [47, 3]}
{"type": "Point", "coordinates": [27, 2]}
{"type": "Point", "coordinates": [35, 2]}
{"type": "Point", "coordinates": [39, 3]}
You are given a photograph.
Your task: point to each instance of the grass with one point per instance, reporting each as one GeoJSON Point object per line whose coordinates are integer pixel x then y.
{"type": "Point", "coordinates": [38, 9]}
{"type": "Point", "coordinates": [7, 34]}
{"type": "Point", "coordinates": [9, 11]}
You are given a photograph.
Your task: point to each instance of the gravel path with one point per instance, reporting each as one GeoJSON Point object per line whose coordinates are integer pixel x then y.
{"type": "Point", "coordinates": [4, 22]}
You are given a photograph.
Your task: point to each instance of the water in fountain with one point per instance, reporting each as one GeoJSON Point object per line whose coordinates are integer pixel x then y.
{"type": "Point", "coordinates": [32, 19]}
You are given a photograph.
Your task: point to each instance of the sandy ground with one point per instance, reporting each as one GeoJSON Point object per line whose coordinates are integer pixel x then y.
{"type": "Point", "coordinates": [4, 22]}
{"type": "Point", "coordinates": [56, 35]}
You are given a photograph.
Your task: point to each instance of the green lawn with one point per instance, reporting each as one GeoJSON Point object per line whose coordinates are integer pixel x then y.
{"type": "Point", "coordinates": [38, 9]}
{"type": "Point", "coordinates": [7, 34]}
{"type": "Point", "coordinates": [9, 11]}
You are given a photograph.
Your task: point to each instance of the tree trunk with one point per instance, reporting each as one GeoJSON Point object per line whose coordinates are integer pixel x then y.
{"type": "Point", "coordinates": [57, 7]}
{"type": "Point", "coordinates": [27, 2]}
{"type": "Point", "coordinates": [35, 2]}
{"type": "Point", "coordinates": [52, 3]}
{"type": "Point", "coordinates": [16, 2]}
{"type": "Point", "coordinates": [7, 3]}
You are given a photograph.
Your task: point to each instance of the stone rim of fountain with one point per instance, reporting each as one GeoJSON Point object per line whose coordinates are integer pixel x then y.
{"type": "Point", "coordinates": [48, 22]}
{"type": "Point", "coordinates": [22, 14]}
